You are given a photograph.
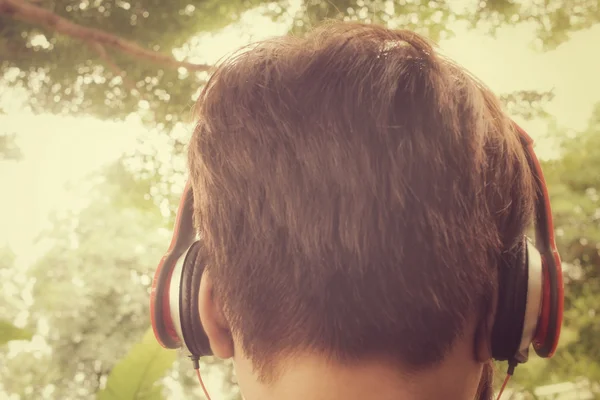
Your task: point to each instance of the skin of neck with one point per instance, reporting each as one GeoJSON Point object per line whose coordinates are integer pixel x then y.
{"type": "Point", "coordinates": [465, 373]}
{"type": "Point", "coordinates": [459, 376]}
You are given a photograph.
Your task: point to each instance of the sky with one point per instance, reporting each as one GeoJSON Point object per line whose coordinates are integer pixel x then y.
{"type": "Point", "coordinates": [58, 150]}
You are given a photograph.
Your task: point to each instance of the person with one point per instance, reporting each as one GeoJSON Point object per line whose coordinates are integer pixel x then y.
{"type": "Point", "coordinates": [356, 192]}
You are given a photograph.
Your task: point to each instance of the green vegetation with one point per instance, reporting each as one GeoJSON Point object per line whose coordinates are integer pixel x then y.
{"type": "Point", "coordinates": [89, 291]}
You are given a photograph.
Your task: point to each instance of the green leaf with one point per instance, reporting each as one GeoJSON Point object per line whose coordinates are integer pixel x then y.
{"type": "Point", "coordinates": [10, 332]}
{"type": "Point", "coordinates": [136, 375]}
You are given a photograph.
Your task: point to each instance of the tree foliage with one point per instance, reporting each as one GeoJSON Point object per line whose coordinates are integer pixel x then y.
{"type": "Point", "coordinates": [575, 187]}
{"type": "Point", "coordinates": [64, 74]}
{"type": "Point", "coordinates": [68, 74]}
{"type": "Point", "coordinates": [136, 376]}
{"type": "Point", "coordinates": [9, 332]}
{"type": "Point", "coordinates": [89, 292]}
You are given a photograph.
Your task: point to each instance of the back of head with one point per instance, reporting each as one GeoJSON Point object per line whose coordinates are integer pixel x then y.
{"type": "Point", "coordinates": [355, 192]}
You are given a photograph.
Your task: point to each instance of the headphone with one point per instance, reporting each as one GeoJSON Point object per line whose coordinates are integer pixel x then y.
{"type": "Point", "coordinates": [529, 311]}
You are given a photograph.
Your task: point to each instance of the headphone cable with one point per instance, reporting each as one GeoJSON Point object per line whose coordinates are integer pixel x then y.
{"type": "Point", "coordinates": [511, 369]}
{"type": "Point", "coordinates": [196, 361]}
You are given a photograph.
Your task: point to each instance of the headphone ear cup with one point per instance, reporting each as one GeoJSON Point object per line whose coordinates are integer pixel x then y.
{"type": "Point", "coordinates": [512, 302]}
{"type": "Point", "coordinates": [193, 333]}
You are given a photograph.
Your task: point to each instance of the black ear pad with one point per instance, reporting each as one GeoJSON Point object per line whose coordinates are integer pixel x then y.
{"type": "Point", "coordinates": [509, 321]}
{"type": "Point", "coordinates": [194, 336]}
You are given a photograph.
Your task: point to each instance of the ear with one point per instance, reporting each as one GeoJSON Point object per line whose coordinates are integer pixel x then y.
{"type": "Point", "coordinates": [213, 319]}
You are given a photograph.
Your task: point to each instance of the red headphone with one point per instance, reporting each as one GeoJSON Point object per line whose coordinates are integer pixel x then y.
{"type": "Point", "coordinates": [530, 296]}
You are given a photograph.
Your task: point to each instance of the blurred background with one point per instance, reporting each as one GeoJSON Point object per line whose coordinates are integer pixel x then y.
{"type": "Point", "coordinates": [96, 101]}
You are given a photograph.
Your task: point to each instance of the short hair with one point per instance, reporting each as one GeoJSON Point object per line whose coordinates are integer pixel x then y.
{"type": "Point", "coordinates": [355, 192]}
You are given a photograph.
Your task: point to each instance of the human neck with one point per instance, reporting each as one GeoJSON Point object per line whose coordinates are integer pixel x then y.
{"type": "Point", "coordinates": [311, 377]}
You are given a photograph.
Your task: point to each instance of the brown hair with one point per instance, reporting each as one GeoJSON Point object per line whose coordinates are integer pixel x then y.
{"type": "Point", "coordinates": [355, 192]}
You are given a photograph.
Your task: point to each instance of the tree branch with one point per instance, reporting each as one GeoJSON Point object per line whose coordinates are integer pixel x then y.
{"type": "Point", "coordinates": [98, 48]}
{"type": "Point", "coordinates": [33, 14]}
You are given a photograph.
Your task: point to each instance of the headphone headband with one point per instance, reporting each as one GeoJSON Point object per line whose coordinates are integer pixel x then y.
{"type": "Point", "coordinates": [183, 237]}
{"type": "Point", "coordinates": [546, 337]}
